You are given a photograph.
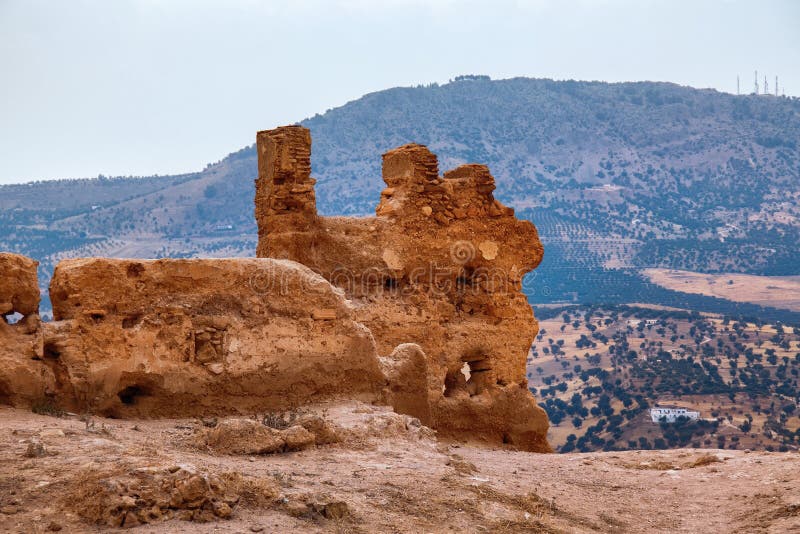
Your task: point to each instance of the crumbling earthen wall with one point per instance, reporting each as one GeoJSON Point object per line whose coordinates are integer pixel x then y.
{"type": "Point", "coordinates": [420, 306]}
{"type": "Point", "coordinates": [191, 337]}
{"type": "Point", "coordinates": [174, 337]}
{"type": "Point", "coordinates": [440, 266]}
{"type": "Point", "coordinates": [22, 379]}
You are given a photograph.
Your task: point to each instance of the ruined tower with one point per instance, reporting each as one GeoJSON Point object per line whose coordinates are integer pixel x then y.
{"type": "Point", "coordinates": [284, 186]}
{"type": "Point", "coordinates": [439, 266]}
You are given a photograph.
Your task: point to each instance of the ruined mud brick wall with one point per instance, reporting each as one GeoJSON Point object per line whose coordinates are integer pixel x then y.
{"type": "Point", "coordinates": [174, 337]}
{"type": "Point", "coordinates": [23, 380]}
{"type": "Point", "coordinates": [440, 266]}
{"type": "Point", "coordinates": [201, 337]}
{"type": "Point", "coordinates": [286, 157]}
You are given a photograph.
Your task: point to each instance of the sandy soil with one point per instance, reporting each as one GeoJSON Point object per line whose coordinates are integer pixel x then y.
{"type": "Point", "coordinates": [776, 291]}
{"type": "Point", "coordinates": [394, 476]}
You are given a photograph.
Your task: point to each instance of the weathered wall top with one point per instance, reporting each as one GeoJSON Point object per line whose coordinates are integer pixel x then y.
{"type": "Point", "coordinates": [415, 189]}
{"type": "Point", "coordinates": [284, 170]}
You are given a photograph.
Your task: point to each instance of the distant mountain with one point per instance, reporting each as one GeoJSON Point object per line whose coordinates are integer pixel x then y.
{"type": "Point", "coordinates": [617, 177]}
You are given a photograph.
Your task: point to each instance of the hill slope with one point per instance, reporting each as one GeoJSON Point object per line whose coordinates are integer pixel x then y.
{"type": "Point", "coordinates": [618, 177]}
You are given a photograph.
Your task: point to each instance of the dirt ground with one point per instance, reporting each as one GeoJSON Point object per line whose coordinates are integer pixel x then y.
{"type": "Point", "coordinates": [386, 473]}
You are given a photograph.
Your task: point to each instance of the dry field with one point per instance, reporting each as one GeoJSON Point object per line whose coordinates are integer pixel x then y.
{"type": "Point", "coordinates": [776, 291]}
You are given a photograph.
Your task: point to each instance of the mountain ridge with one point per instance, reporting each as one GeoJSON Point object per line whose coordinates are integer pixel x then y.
{"type": "Point", "coordinates": [618, 178]}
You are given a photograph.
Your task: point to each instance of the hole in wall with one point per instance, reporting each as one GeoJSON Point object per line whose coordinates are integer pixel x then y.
{"type": "Point", "coordinates": [454, 383]}
{"type": "Point", "coordinates": [466, 371]}
{"type": "Point", "coordinates": [131, 394]}
{"type": "Point", "coordinates": [475, 382]}
{"type": "Point", "coordinates": [471, 378]}
{"type": "Point", "coordinates": [476, 372]}
{"type": "Point", "coordinates": [51, 351]}
{"type": "Point", "coordinates": [13, 318]}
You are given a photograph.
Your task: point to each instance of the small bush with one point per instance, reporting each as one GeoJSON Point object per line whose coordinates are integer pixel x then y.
{"type": "Point", "coordinates": [46, 406]}
{"type": "Point", "coordinates": [282, 420]}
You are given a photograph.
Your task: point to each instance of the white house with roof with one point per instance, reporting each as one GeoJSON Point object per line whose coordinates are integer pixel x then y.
{"type": "Point", "coordinates": [671, 413]}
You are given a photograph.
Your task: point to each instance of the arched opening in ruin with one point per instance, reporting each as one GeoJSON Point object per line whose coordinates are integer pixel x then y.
{"type": "Point", "coordinates": [471, 378]}
{"type": "Point", "coordinates": [5, 394]}
{"type": "Point", "coordinates": [13, 318]}
{"type": "Point", "coordinates": [478, 368]}
{"type": "Point", "coordinates": [454, 383]}
{"type": "Point", "coordinates": [129, 395]}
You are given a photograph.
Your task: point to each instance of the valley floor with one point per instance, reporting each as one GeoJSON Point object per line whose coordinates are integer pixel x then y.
{"type": "Point", "coordinates": [388, 474]}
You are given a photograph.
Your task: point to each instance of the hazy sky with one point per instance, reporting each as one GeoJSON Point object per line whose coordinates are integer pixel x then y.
{"type": "Point", "coordinates": [138, 87]}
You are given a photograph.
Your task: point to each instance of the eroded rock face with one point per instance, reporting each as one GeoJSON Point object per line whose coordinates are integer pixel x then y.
{"type": "Point", "coordinates": [439, 266]}
{"type": "Point", "coordinates": [24, 381]}
{"type": "Point", "coordinates": [198, 337]}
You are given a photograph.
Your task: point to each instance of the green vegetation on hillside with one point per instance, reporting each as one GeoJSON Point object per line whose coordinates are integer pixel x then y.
{"type": "Point", "coordinates": [617, 177]}
{"type": "Point", "coordinates": [611, 364]}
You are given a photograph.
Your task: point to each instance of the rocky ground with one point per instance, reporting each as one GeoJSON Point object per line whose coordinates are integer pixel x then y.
{"type": "Point", "coordinates": [370, 471]}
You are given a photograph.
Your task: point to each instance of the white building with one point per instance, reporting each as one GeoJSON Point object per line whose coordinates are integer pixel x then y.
{"type": "Point", "coordinates": [671, 413]}
{"type": "Point", "coordinates": [636, 322]}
